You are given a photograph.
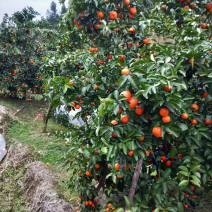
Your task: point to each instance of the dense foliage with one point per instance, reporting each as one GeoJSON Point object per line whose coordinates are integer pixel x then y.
{"type": "Point", "coordinates": [23, 44]}
{"type": "Point", "coordinates": [164, 115]}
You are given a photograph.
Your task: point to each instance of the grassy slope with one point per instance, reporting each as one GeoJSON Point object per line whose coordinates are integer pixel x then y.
{"type": "Point", "coordinates": [44, 147]}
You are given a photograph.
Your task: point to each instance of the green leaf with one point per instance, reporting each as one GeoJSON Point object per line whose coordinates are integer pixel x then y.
{"type": "Point", "coordinates": [167, 173]}
{"type": "Point", "coordinates": [204, 179]}
{"type": "Point", "coordinates": [184, 183]}
{"type": "Point", "coordinates": [122, 80]}
{"type": "Point", "coordinates": [114, 178]}
{"type": "Point", "coordinates": [183, 168]}
{"type": "Point", "coordinates": [183, 173]}
{"type": "Point", "coordinates": [168, 59]}
{"type": "Point", "coordinates": [172, 209]}
{"type": "Point", "coordinates": [144, 205]}
{"type": "Point", "coordinates": [206, 135]}
{"type": "Point", "coordinates": [195, 183]}
{"type": "Point", "coordinates": [195, 168]}
{"type": "Point", "coordinates": [101, 110]}
{"type": "Point", "coordinates": [118, 210]}
{"type": "Point", "coordinates": [173, 153]}
{"type": "Point", "coordinates": [127, 200]}
{"type": "Point", "coordinates": [133, 80]}
{"type": "Point", "coordinates": [183, 127]}
{"type": "Point", "coordinates": [150, 67]}
{"type": "Point", "coordinates": [116, 94]}
{"type": "Point", "coordinates": [165, 187]}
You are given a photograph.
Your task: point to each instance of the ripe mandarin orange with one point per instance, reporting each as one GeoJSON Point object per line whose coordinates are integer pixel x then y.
{"type": "Point", "coordinates": [124, 119]}
{"type": "Point", "coordinates": [157, 132]}
{"type": "Point", "coordinates": [127, 94]}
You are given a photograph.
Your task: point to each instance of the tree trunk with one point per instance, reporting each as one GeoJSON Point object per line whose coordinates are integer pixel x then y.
{"type": "Point", "coordinates": [134, 182]}
{"type": "Point", "coordinates": [102, 181]}
{"type": "Point", "coordinates": [47, 117]}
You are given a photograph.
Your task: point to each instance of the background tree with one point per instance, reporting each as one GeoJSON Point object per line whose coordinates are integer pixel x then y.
{"type": "Point", "coordinates": [63, 9]}
{"type": "Point", "coordinates": [52, 15]}
{"type": "Point", "coordinates": [23, 43]}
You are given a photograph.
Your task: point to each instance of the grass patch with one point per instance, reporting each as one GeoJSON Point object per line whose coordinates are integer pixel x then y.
{"type": "Point", "coordinates": [11, 190]}
{"type": "Point", "coordinates": [44, 148]}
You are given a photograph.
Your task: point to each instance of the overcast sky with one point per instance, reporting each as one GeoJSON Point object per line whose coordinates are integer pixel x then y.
{"type": "Point", "coordinates": [11, 6]}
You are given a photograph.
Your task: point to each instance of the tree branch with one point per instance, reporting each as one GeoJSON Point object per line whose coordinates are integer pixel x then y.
{"type": "Point", "coordinates": [134, 182]}
{"type": "Point", "coordinates": [102, 181]}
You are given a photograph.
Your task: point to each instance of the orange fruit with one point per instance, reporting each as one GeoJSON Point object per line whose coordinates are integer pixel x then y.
{"type": "Point", "coordinates": [195, 107]}
{"type": "Point", "coordinates": [77, 106]}
{"type": "Point", "coordinates": [114, 122]}
{"type": "Point", "coordinates": [139, 111]}
{"type": "Point", "coordinates": [131, 16]}
{"type": "Point", "coordinates": [208, 6]}
{"type": "Point", "coordinates": [95, 86]}
{"type": "Point", "coordinates": [121, 58]}
{"type": "Point", "coordinates": [164, 112]}
{"type": "Point", "coordinates": [73, 103]}
{"type": "Point", "coordinates": [127, 94]}
{"type": "Point", "coordinates": [193, 196]}
{"type": "Point", "coordinates": [109, 56]}
{"type": "Point", "coordinates": [100, 14]}
{"type": "Point", "coordinates": [133, 10]}
{"type": "Point", "coordinates": [193, 6]}
{"type": "Point", "coordinates": [145, 41]}
{"type": "Point", "coordinates": [163, 158]}
{"type": "Point", "coordinates": [164, 8]}
{"type": "Point", "coordinates": [91, 49]}
{"type": "Point", "coordinates": [113, 15]}
{"type": "Point", "coordinates": [124, 119]}
{"type": "Point", "coordinates": [207, 122]}
{"type": "Point", "coordinates": [185, 206]}
{"type": "Point", "coordinates": [192, 188]}
{"type": "Point", "coordinates": [131, 30]}
{"type": "Point", "coordinates": [205, 94]}
{"type": "Point", "coordinates": [141, 139]}
{"type": "Point", "coordinates": [157, 132]}
{"type": "Point", "coordinates": [117, 166]}
{"type": "Point", "coordinates": [130, 153]}
{"type": "Point", "coordinates": [120, 110]}
{"type": "Point", "coordinates": [168, 163]}
{"type": "Point", "coordinates": [87, 173]}
{"type": "Point", "coordinates": [179, 156]}
{"type": "Point", "coordinates": [119, 176]}
{"type": "Point", "coordinates": [114, 135]}
{"type": "Point", "coordinates": [184, 116]}
{"type": "Point", "coordinates": [125, 71]}
{"type": "Point", "coordinates": [194, 122]}
{"type": "Point", "coordinates": [77, 208]}
{"type": "Point", "coordinates": [79, 172]}
{"type": "Point", "coordinates": [126, 2]}
{"type": "Point", "coordinates": [186, 7]}
{"type": "Point", "coordinates": [147, 152]}
{"type": "Point", "coordinates": [167, 88]}
{"type": "Point", "coordinates": [97, 166]}
{"type": "Point", "coordinates": [166, 119]}
{"type": "Point", "coordinates": [133, 102]}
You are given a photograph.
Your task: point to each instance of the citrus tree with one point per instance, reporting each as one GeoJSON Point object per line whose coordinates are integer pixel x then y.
{"type": "Point", "coordinates": [23, 44]}
{"type": "Point", "coordinates": [150, 103]}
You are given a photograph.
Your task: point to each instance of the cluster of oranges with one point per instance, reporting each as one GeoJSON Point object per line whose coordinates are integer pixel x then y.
{"type": "Point", "coordinates": [209, 7]}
